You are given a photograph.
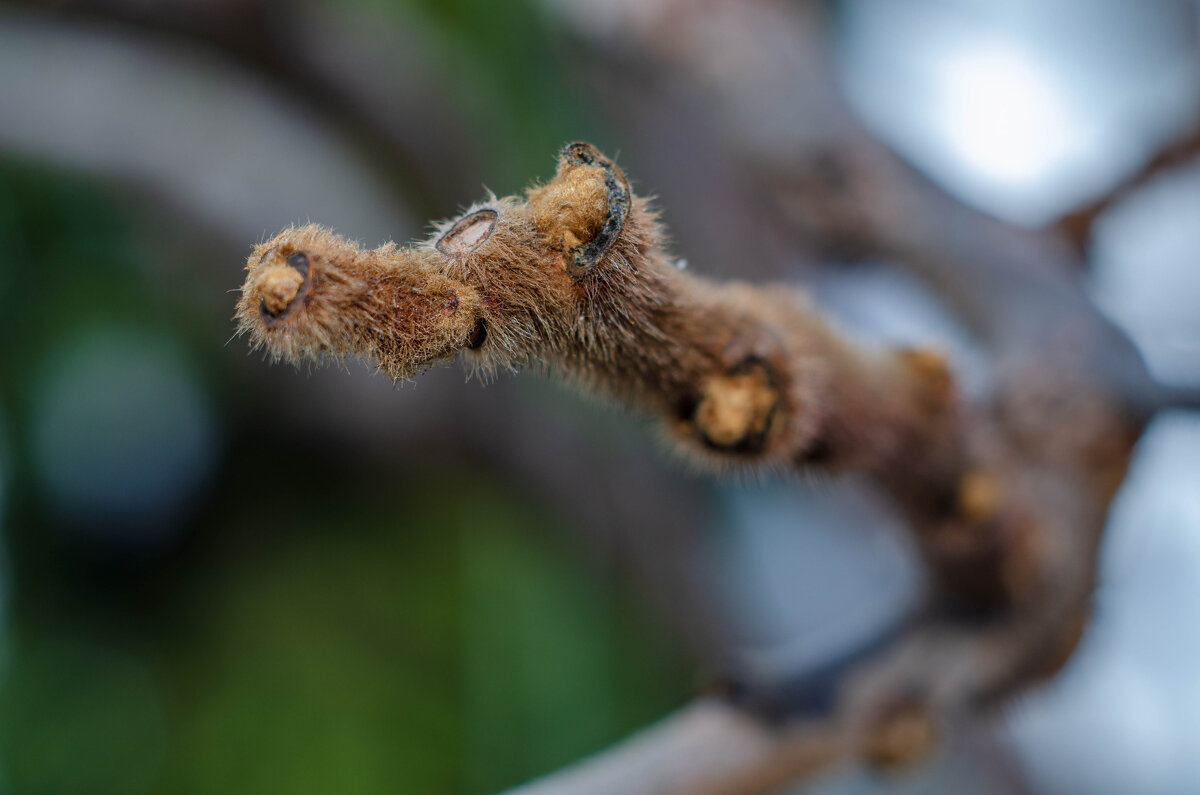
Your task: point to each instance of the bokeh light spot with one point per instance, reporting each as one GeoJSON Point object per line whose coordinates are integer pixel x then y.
{"type": "Point", "coordinates": [1000, 114]}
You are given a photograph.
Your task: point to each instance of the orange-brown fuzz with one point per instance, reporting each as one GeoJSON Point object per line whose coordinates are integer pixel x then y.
{"type": "Point", "coordinates": [571, 210]}
{"type": "Point", "coordinates": [395, 308]}
{"type": "Point", "coordinates": [743, 375]}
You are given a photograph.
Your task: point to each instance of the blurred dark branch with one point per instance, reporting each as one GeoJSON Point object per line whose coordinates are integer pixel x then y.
{"type": "Point", "coordinates": [1183, 149]}
{"type": "Point", "coordinates": [289, 44]}
{"type": "Point", "coordinates": [1186, 398]}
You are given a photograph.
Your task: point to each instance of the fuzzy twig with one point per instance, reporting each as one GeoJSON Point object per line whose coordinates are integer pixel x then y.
{"type": "Point", "coordinates": [1006, 501]}
{"type": "Point", "coordinates": [575, 278]}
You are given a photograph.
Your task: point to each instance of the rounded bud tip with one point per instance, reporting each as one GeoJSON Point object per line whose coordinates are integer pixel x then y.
{"type": "Point", "coordinates": [279, 286]}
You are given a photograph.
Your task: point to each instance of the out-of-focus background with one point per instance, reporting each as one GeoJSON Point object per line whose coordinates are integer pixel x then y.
{"type": "Point", "coordinates": [221, 576]}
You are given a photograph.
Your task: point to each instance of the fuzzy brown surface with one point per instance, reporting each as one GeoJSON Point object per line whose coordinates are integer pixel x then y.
{"type": "Point", "coordinates": [634, 328]}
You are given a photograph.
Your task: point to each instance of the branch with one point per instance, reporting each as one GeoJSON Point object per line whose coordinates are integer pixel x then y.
{"type": "Point", "coordinates": [575, 278]}
{"type": "Point", "coordinates": [1183, 149]}
{"type": "Point", "coordinates": [707, 748]}
{"type": "Point", "coordinates": [1166, 398]}
{"type": "Point", "coordinates": [1007, 501]}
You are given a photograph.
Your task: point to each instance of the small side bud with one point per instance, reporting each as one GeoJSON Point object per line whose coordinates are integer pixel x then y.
{"type": "Point", "coordinates": [583, 210]}
{"type": "Point", "coordinates": [904, 734]}
{"type": "Point", "coordinates": [281, 285]}
{"type": "Point", "coordinates": [736, 409]}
